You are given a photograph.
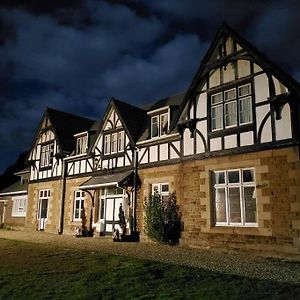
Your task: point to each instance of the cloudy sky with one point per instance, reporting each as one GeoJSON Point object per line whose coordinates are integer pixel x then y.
{"type": "Point", "coordinates": [74, 55]}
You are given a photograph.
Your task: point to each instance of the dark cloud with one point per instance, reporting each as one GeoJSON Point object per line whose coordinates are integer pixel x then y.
{"type": "Point", "coordinates": [75, 55]}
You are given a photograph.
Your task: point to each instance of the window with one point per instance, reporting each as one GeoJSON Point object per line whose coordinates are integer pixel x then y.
{"type": "Point", "coordinates": [47, 153]}
{"type": "Point", "coordinates": [81, 144]}
{"type": "Point", "coordinates": [114, 142]}
{"type": "Point", "coordinates": [159, 125]}
{"type": "Point", "coordinates": [44, 196]}
{"type": "Point", "coordinates": [162, 189]}
{"type": "Point", "coordinates": [231, 108]}
{"type": "Point", "coordinates": [78, 205]}
{"type": "Point", "coordinates": [235, 197]}
{"type": "Point", "coordinates": [19, 206]}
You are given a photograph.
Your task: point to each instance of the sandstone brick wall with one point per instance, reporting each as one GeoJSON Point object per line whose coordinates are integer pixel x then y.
{"type": "Point", "coordinates": [54, 204]}
{"type": "Point", "coordinates": [72, 186]}
{"type": "Point", "coordinates": [278, 200]}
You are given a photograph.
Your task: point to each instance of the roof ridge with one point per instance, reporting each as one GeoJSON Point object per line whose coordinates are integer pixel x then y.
{"type": "Point", "coordinates": [67, 113]}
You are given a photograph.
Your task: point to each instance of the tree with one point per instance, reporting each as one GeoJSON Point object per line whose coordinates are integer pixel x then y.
{"type": "Point", "coordinates": [122, 220]}
{"type": "Point", "coordinates": [163, 218]}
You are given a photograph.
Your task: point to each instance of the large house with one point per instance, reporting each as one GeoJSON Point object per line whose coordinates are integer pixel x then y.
{"type": "Point", "coordinates": [228, 146]}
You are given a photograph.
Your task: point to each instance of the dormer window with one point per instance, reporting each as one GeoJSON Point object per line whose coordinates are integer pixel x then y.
{"type": "Point", "coordinates": [47, 153]}
{"type": "Point", "coordinates": [81, 144]}
{"type": "Point", "coordinates": [114, 142]}
{"type": "Point", "coordinates": [159, 125]}
{"type": "Point", "coordinates": [231, 107]}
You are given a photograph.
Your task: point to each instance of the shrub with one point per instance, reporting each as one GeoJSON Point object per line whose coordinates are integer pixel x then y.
{"type": "Point", "coordinates": [163, 219]}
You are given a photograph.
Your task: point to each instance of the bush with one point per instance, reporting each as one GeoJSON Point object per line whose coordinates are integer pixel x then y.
{"type": "Point", "coordinates": [163, 219]}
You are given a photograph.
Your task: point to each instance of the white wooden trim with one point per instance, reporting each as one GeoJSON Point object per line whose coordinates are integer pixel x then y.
{"type": "Point", "coordinates": [157, 110]}
{"type": "Point", "coordinates": [13, 193]}
{"type": "Point", "coordinates": [159, 138]}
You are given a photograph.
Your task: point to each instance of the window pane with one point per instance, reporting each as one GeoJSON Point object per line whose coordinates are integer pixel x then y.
{"type": "Point", "coordinates": [217, 117]}
{"type": "Point", "coordinates": [230, 114]}
{"type": "Point", "coordinates": [244, 90]}
{"type": "Point", "coordinates": [216, 98]}
{"type": "Point", "coordinates": [81, 208]}
{"type": "Point", "coordinates": [111, 190]}
{"type": "Point", "coordinates": [163, 124]}
{"type": "Point", "coordinates": [154, 126]}
{"type": "Point", "coordinates": [119, 191]}
{"type": "Point", "coordinates": [220, 177]}
{"type": "Point", "coordinates": [101, 208]}
{"type": "Point", "coordinates": [248, 175]}
{"type": "Point", "coordinates": [164, 188]}
{"type": "Point", "coordinates": [250, 204]}
{"type": "Point", "coordinates": [245, 110]}
{"type": "Point", "coordinates": [114, 142]}
{"type": "Point", "coordinates": [121, 141]}
{"type": "Point", "coordinates": [107, 144]}
{"type": "Point", "coordinates": [233, 176]}
{"type": "Point", "coordinates": [220, 204]}
{"type": "Point", "coordinates": [234, 204]}
{"type": "Point", "coordinates": [230, 94]}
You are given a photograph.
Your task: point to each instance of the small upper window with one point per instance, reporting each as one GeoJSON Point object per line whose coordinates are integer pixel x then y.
{"type": "Point", "coordinates": [114, 142]}
{"type": "Point", "coordinates": [81, 144]}
{"type": "Point", "coordinates": [159, 125]}
{"type": "Point", "coordinates": [47, 153]}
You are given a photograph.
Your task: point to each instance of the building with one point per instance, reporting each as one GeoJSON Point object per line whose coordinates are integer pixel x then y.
{"type": "Point", "coordinates": [228, 146]}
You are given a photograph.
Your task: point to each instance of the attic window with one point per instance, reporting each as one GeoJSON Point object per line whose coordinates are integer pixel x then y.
{"type": "Point", "coordinates": [114, 142]}
{"type": "Point", "coordinates": [81, 144]}
{"type": "Point", "coordinates": [159, 125]}
{"type": "Point", "coordinates": [47, 153]}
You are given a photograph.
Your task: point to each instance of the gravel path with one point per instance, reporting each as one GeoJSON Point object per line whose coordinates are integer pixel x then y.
{"type": "Point", "coordinates": [234, 262]}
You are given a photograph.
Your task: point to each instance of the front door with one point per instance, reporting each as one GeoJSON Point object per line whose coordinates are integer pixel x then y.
{"type": "Point", "coordinates": [112, 213]}
{"type": "Point", "coordinates": [43, 208]}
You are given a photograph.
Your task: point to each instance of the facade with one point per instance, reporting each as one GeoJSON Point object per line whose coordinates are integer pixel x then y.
{"type": "Point", "coordinates": [228, 146]}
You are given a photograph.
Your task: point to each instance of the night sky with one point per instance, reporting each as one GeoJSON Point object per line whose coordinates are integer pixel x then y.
{"type": "Point", "coordinates": [75, 55]}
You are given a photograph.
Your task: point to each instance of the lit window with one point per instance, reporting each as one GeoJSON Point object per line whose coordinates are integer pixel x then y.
{"type": "Point", "coordinates": [78, 205]}
{"type": "Point", "coordinates": [231, 108]}
{"type": "Point", "coordinates": [44, 197]}
{"type": "Point", "coordinates": [235, 198]}
{"type": "Point", "coordinates": [106, 144]}
{"type": "Point", "coordinates": [81, 144]}
{"type": "Point", "coordinates": [47, 153]}
{"type": "Point", "coordinates": [159, 125]}
{"type": "Point", "coordinates": [19, 206]}
{"type": "Point", "coordinates": [121, 141]}
{"type": "Point", "coordinates": [162, 189]}
{"type": "Point", "coordinates": [114, 142]}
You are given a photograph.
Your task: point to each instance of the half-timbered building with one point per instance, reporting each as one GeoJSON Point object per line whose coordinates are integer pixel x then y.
{"type": "Point", "coordinates": [228, 147]}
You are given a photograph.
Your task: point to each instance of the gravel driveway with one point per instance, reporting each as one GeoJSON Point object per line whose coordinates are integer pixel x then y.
{"type": "Point", "coordinates": [234, 262]}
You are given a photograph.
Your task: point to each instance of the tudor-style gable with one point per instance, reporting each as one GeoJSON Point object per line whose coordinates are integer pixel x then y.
{"type": "Point", "coordinates": [238, 99]}
{"type": "Point", "coordinates": [54, 140]}
{"type": "Point", "coordinates": [116, 137]}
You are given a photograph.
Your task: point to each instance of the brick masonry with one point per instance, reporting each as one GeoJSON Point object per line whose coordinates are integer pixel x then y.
{"type": "Point", "coordinates": [278, 201]}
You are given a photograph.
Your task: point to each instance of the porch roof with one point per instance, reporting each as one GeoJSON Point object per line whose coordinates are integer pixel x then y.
{"type": "Point", "coordinates": [121, 179]}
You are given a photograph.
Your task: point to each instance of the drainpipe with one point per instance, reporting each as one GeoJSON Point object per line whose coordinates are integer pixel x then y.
{"type": "Point", "coordinates": [134, 200]}
{"type": "Point", "coordinates": [63, 195]}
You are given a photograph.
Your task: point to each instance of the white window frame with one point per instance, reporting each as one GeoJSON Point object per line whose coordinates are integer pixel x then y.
{"type": "Point", "coordinates": [159, 118]}
{"type": "Point", "coordinates": [114, 143]}
{"type": "Point", "coordinates": [121, 141]}
{"type": "Point", "coordinates": [237, 98]}
{"type": "Point", "coordinates": [79, 196]}
{"type": "Point", "coordinates": [81, 144]}
{"type": "Point", "coordinates": [164, 194]}
{"type": "Point", "coordinates": [107, 144]}
{"type": "Point", "coordinates": [19, 206]}
{"type": "Point", "coordinates": [240, 185]}
{"type": "Point", "coordinates": [44, 194]}
{"type": "Point", "coordinates": [47, 153]}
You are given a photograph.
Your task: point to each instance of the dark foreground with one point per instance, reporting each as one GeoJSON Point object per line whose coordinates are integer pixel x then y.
{"type": "Point", "coordinates": [45, 271]}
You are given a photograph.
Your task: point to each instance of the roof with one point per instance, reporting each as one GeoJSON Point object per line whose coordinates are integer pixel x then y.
{"type": "Point", "coordinates": [108, 179]}
{"type": "Point", "coordinates": [173, 101]}
{"type": "Point", "coordinates": [66, 125]}
{"type": "Point", "coordinates": [131, 116]}
{"type": "Point", "coordinates": [15, 188]}
{"type": "Point", "coordinates": [23, 171]}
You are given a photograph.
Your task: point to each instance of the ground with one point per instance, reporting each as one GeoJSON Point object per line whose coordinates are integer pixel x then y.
{"type": "Point", "coordinates": [45, 266]}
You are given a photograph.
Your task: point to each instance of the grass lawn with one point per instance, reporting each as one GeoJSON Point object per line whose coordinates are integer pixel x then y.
{"type": "Point", "coordinates": [33, 271]}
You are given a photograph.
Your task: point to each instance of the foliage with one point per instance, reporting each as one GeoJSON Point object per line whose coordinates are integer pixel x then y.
{"type": "Point", "coordinates": [163, 219]}
{"type": "Point", "coordinates": [122, 221]}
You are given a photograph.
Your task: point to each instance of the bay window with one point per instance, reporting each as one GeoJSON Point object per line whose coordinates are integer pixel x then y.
{"type": "Point", "coordinates": [235, 197]}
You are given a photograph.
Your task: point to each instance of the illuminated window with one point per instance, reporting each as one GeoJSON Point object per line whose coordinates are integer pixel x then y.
{"type": "Point", "coordinates": [19, 206]}
{"type": "Point", "coordinates": [47, 153]}
{"type": "Point", "coordinates": [81, 144]}
{"type": "Point", "coordinates": [78, 205]}
{"type": "Point", "coordinates": [159, 125]}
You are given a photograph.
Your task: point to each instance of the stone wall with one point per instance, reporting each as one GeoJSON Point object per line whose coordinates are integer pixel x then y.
{"type": "Point", "coordinates": [278, 201]}
{"type": "Point", "coordinates": [52, 224]}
